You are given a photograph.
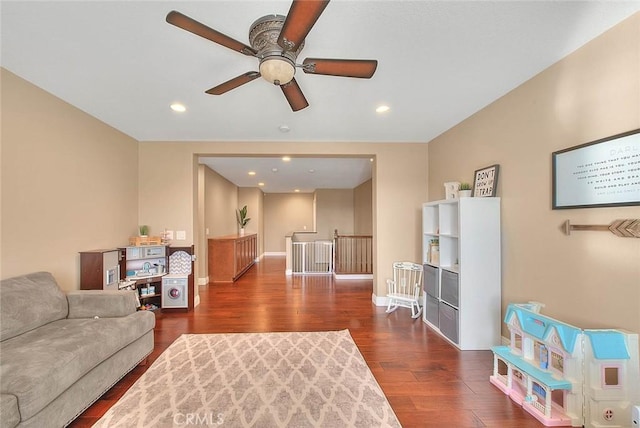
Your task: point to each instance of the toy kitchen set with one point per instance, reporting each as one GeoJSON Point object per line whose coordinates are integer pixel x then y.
{"type": "Point", "coordinates": [162, 275]}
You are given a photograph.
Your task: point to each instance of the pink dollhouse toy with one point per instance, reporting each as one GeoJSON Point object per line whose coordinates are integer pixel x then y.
{"type": "Point", "coordinates": [566, 376]}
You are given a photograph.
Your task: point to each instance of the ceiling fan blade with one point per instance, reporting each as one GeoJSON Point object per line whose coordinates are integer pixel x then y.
{"type": "Point", "coordinates": [233, 83]}
{"type": "Point", "coordinates": [302, 15]}
{"type": "Point", "coordinates": [294, 95]}
{"type": "Point", "coordinates": [361, 68]}
{"type": "Point", "coordinates": [191, 25]}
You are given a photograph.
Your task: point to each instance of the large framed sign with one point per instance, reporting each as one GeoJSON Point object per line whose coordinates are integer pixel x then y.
{"type": "Point", "coordinates": [602, 173]}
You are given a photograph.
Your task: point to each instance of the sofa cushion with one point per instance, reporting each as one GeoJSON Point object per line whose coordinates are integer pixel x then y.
{"type": "Point", "coordinates": [28, 302]}
{"type": "Point", "coordinates": [39, 365]}
{"type": "Point", "coordinates": [101, 303]}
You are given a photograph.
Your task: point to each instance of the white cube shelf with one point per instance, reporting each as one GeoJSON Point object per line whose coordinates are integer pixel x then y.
{"type": "Point", "coordinates": [468, 232]}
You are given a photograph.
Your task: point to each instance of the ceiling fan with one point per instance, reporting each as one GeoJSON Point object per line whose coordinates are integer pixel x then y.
{"type": "Point", "coordinates": [276, 41]}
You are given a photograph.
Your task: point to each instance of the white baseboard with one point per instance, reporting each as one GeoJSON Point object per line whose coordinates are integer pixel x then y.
{"type": "Point", "coordinates": [275, 253]}
{"type": "Point", "coordinates": [196, 301]}
{"type": "Point", "coordinates": [288, 272]}
{"type": "Point", "coordinates": [379, 300]}
{"type": "Point", "coordinates": [203, 281]}
{"type": "Point", "coordinates": [362, 276]}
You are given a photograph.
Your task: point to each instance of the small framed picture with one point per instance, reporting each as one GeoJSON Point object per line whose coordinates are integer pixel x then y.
{"type": "Point", "coordinates": [485, 181]}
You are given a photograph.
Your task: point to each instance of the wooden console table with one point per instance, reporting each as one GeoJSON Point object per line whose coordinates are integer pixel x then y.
{"type": "Point", "coordinates": [231, 256]}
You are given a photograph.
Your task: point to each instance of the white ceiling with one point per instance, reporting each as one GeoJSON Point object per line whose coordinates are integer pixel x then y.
{"type": "Point", "coordinates": [439, 62]}
{"type": "Point", "coordinates": [300, 173]}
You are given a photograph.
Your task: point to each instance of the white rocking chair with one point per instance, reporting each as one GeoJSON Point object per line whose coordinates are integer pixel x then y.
{"type": "Point", "coordinates": [404, 289]}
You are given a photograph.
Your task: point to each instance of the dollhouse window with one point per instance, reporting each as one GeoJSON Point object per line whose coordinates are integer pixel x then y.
{"type": "Point", "coordinates": [517, 342]}
{"type": "Point", "coordinates": [557, 361]}
{"type": "Point", "coordinates": [518, 376]}
{"type": "Point", "coordinates": [557, 396]}
{"type": "Point", "coordinates": [503, 369]}
{"type": "Point", "coordinates": [610, 376]}
{"type": "Point", "coordinates": [539, 391]}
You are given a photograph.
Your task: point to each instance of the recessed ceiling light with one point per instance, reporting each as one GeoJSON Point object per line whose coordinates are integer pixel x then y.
{"type": "Point", "coordinates": [274, 169]}
{"type": "Point", "coordinates": [284, 128]}
{"type": "Point", "coordinates": [261, 184]}
{"type": "Point", "coordinates": [382, 109]}
{"type": "Point", "coordinates": [286, 158]}
{"type": "Point", "coordinates": [297, 190]}
{"type": "Point", "coordinates": [180, 108]}
{"type": "Point", "coordinates": [311, 171]}
{"type": "Point", "coordinates": [252, 173]}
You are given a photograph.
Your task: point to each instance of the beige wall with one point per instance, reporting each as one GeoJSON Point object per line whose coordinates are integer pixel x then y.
{"type": "Point", "coordinates": [362, 208]}
{"type": "Point", "coordinates": [166, 178]}
{"type": "Point", "coordinates": [221, 201]}
{"type": "Point", "coordinates": [200, 240]}
{"type": "Point", "coordinates": [253, 198]}
{"type": "Point", "coordinates": [590, 279]}
{"type": "Point", "coordinates": [217, 203]}
{"type": "Point", "coordinates": [334, 210]}
{"type": "Point", "coordinates": [69, 184]}
{"type": "Point", "coordinates": [285, 213]}
{"type": "Point", "coordinates": [397, 230]}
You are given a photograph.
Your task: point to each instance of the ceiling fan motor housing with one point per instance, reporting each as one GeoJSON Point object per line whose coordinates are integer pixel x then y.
{"type": "Point", "coordinates": [276, 65]}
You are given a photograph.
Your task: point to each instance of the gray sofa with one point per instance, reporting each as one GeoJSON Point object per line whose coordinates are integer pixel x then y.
{"type": "Point", "coordinates": [60, 352]}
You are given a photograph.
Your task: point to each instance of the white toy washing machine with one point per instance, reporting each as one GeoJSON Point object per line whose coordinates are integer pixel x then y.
{"type": "Point", "coordinates": [175, 291]}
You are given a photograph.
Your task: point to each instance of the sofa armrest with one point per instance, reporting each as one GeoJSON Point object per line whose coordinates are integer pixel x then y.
{"type": "Point", "coordinates": [9, 410]}
{"type": "Point", "coordinates": [101, 303]}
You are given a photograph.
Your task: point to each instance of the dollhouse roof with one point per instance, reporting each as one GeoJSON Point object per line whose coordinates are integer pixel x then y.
{"type": "Point", "coordinates": [608, 344]}
{"type": "Point", "coordinates": [541, 327]}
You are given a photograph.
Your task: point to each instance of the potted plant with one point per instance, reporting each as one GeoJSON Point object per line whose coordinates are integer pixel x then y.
{"type": "Point", "coordinates": [241, 216]}
{"type": "Point", "coordinates": [144, 230]}
{"type": "Point", "coordinates": [464, 190]}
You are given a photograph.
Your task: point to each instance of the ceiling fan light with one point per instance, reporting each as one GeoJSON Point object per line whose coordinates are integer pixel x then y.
{"type": "Point", "coordinates": [277, 70]}
{"type": "Point", "coordinates": [177, 107]}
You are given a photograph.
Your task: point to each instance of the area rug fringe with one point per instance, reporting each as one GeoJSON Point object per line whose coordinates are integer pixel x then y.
{"type": "Point", "coordinates": [298, 379]}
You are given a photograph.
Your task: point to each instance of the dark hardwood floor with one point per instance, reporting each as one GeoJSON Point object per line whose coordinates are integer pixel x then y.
{"type": "Point", "coordinates": [428, 382]}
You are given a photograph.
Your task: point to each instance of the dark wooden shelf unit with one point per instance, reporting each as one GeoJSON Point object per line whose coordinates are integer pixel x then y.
{"type": "Point", "coordinates": [99, 269]}
{"type": "Point", "coordinates": [231, 256]}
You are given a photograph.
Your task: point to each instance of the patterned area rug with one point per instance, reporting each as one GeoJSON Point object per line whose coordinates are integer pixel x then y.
{"type": "Point", "coordinates": [261, 380]}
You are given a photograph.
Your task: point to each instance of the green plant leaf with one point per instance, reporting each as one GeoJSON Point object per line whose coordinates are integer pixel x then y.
{"type": "Point", "coordinates": [241, 216]}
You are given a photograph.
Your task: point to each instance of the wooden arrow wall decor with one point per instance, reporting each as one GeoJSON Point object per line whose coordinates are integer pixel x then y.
{"type": "Point", "coordinates": [627, 228]}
